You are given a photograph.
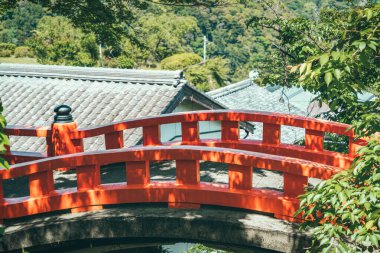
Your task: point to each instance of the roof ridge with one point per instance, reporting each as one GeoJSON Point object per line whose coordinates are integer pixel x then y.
{"type": "Point", "coordinates": [173, 78]}
{"type": "Point", "coordinates": [231, 88]}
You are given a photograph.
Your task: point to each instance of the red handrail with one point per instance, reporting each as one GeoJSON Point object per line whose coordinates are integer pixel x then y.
{"type": "Point", "coordinates": [66, 138]}
{"type": "Point", "coordinates": [220, 115]}
{"type": "Point", "coordinates": [187, 190]}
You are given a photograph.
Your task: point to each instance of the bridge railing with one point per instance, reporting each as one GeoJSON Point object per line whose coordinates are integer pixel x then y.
{"type": "Point", "coordinates": [186, 191]}
{"type": "Point", "coordinates": [65, 138]}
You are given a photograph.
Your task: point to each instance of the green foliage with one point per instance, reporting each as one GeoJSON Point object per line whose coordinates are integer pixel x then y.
{"type": "Point", "coordinates": [4, 141]}
{"type": "Point", "coordinates": [7, 49]}
{"type": "Point", "coordinates": [56, 41]}
{"type": "Point", "coordinates": [199, 248]}
{"type": "Point", "coordinates": [124, 62]}
{"type": "Point", "coordinates": [108, 20]}
{"type": "Point", "coordinates": [7, 46]}
{"type": "Point", "coordinates": [167, 34]}
{"type": "Point", "coordinates": [6, 53]}
{"type": "Point", "coordinates": [210, 75]}
{"type": "Point", "coordinates": [19, 22]}
{"type": "Point", "coordinates": [23, 51]}
{"type": "Point", "coordinates": [336, 57]}
{"type": "Point", "coordinates": [345, 210]}
{"type": "Point", "coordinates": [180, 61]}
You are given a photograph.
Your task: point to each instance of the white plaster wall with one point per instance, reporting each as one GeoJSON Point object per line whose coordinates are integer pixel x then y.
{"type": "Point", "coordinates": [170, 131]}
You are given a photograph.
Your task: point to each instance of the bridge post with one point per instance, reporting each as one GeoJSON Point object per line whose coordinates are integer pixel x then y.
{"type": "Point", "coordinates": [41, 183]}
{"type": "Point", "coordinates": [190, 132]}
{"type": "Point", "coordinates": [187, 173]}
{"type": "Point", "coordinates": [151, 135]}
{"type": "Point", "coordinates": [271, 134]}
{"type": "Point", "coordinates": [240, 177]}
{"type": "Point", "coordinates": [137, 172]}
{"type": "Point", "coordinates": [114, 140]}
{"type": "Point", "coordinates": [354, 145]}
{"type": "Point", "coordinates": [230, 130]}
{"type": "Point", "coordinates": [314, 140]}
{"type": "Point", "coordinates": [62, 127]}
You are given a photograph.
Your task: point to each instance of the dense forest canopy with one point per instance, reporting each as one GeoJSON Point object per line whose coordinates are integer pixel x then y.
{"type": "Point", "coordinates": [140, 34]}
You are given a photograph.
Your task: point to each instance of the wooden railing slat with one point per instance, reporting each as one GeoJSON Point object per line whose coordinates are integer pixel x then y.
{"type": "Point", "coordinates": [230, 130]}
{"type": "Point", "coordinates": [314, 140]}
{"type": "Point", "coordinates": [271, 134]}
{"type": "Point", "coordinates": [88, 177]}
{"type": "Point", "coordinates": [294, 185]}
{"type": "Point", "coordinates": [151, 135]}
{"type": "Point", "coordinates": [41, 184]}
{"type": "Point", "coordinates": [240, 177]}
{"type": "Point", "coordinates": [114, 140]}
{"type": "Point", "coordinates": [190, 132]}
{"type": "Point", "coordinates": [187, 172]}
{"type": "Point", "coordinates": [138, 172]}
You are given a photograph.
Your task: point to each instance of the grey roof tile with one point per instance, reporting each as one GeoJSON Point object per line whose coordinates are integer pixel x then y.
{"type": "Point", "coordinates": [249, 96]}
{"type": "Point", "coordinates": [29, 99]}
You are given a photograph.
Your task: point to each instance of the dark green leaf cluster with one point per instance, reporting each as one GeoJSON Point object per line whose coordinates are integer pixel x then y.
{"type": "Point", "coordinates": [19, 23]}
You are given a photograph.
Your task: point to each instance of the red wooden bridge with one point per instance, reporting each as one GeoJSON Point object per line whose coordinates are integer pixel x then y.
{"type": "Point", "coordinates": [64, 145]}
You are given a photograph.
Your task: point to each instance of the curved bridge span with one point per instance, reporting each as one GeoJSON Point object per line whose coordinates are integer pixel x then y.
{"type": "Point", "coordinates": [64, 144]}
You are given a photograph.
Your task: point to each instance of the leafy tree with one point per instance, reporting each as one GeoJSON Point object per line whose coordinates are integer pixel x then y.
{"type": "Point", "coordinates": [209, 75]}
{"type": "Point", "coordinates": [56, 41]}
{"type": "Point", "coordinates": [167, 34]}
{"type": "Point", "coordinates": [336, 57]}
{"type": "Point", "coordinates": [108, 20]}
{"type": "Point", "coordinates": [180, 61]}
{"type": "Point", "coordinates": [4, 141]}
{"type": "Point", "coordinates": [19, 23]}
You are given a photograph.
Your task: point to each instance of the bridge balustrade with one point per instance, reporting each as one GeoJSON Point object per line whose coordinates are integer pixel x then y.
{"type": "Point", "coordinates": [64, 149]}
{"type": "Point", "coordinates": [186, 191]}
{"type": "Point", "coordinates": [66, 138]}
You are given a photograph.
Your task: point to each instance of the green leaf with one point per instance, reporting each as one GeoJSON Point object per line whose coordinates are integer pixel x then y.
{"type": "Point", "coordinates": [324, 59]}
{"type": "Point", "coordinates": [373, 197]}
{"type": "Point", "coordinates": [369, 224]}
{"type": "Point", "coordinates": [369, 14]}
{"type": "Point", "coordinates": [362, 45]}
{"type": "Point", "coordinates": [372, 46]}
{"type": "Point", "coordinates": [324, 241]}
{"type": "Point", "coordinates": [302, 68]}
{"type": "Point", "coordinates": [328, 78]}
{"type": "Point", "coordinates": [335, 55]}
{"type": "Point", "coordinates": [337, 73]}
{"type": "Point", "coordinates": [374, 240]}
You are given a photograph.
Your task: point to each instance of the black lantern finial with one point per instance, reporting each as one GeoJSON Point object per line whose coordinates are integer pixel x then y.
{"type": "Point", "coordinates": [63, 114]}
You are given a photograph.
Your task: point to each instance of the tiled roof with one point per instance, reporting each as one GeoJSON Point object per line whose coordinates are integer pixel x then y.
{"type": "Point", "coordinates": [97, 95]}
{"type": "Point", "coordinates": [250, 96]}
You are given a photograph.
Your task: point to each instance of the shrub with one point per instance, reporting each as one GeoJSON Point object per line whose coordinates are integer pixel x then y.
{"type": "Point", "coordinates": [5, 53]}
{"type": "Point", "coordinates": [23, 51]}
{"type": "Point", "coordinates": [124, 62]}
{"type": "Point", "coordinates": [180, 61]}
{"type": "Point", "coordinates": [209, 76]}
{"type": "Point", "coordinates": [7, 46]}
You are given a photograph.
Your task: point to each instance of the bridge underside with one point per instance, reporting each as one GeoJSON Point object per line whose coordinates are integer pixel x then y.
{"type": "Point", "coordinates": [208, 224]}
